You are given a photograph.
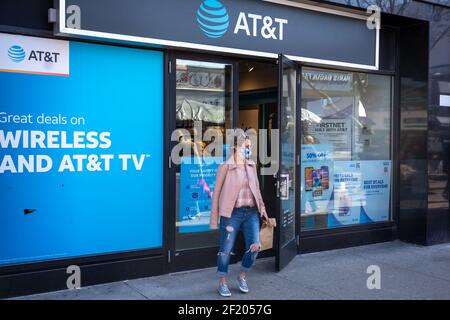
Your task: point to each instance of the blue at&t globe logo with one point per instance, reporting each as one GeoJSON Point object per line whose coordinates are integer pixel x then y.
{"type": "Point", "coordinates": [213, 19]}
{"type": "Point", "coordinates": [16, 53]}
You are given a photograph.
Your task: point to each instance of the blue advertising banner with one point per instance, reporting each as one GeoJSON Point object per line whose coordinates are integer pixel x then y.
{"type": "Point", "coordinates": [361, 192]}
{"type": "Point", "coordinates": [81, 156]}
{"type": "Point", "coordinates": [377, 190]}
{"type": "Point", "coordinates": [197, 180]}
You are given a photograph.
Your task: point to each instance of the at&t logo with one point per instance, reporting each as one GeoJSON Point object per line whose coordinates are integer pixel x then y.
{"type": "Point", "coordinates": [213, 19]}
{"type": "Point", "coordinates": [16, 53]}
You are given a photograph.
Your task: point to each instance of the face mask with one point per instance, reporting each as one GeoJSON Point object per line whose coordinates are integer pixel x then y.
{"type": "Point", "coordinates": [245, 152]}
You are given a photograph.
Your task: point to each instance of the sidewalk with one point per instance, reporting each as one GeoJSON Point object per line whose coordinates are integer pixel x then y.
{"type": "Point", "coordinates": [407, 272]}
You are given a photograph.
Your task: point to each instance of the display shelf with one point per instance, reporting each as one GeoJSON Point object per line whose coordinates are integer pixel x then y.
{"type": "Point", "coordinates": [202, 89]}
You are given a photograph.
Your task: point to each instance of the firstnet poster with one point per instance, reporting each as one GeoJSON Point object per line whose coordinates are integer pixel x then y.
{"type": "Point", "coordinates": [197, 180]}
{"type": "Point", "coordinates": [361, 192]}
{"type": "Point", "coordinates": [334, 132]}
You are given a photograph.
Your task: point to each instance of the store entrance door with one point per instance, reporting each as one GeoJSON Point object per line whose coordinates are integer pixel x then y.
{"type": "Point", "coordinates": [287, 191]}
{"type": "Point", "coordinates": [203, 99]}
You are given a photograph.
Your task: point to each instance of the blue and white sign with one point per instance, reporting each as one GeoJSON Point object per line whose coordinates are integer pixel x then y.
{"type": "Point", "coordinates": [361, 192]}
{"type": "Point", "coordinates": [376, 180]}
{"type": "Point", "coordinates": [81, 157]}
{"type": "Point", "coordinates": [197, 180]}
{"type": "Point", "coordinates": [24, 54]}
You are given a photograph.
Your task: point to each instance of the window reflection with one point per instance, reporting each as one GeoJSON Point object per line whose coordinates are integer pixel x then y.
{"type": "Point", "coordinates": [287, 168]}
{"type": "Point", "coordinates": [346, 148]}
{"type": "Point", "coordinates": [203, 110]}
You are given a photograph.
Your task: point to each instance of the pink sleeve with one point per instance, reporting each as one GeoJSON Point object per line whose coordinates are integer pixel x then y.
{"type": "Point", "coordinates": [220, 178]}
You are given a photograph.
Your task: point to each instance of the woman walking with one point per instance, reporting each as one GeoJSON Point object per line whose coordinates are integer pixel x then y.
{"type": "Point", "coordinates": [237, 200]}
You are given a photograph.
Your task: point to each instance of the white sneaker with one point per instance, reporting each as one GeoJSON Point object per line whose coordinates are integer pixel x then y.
{"type": "Point", "coordinates": [242, 284]}
{"type": "Point", "coordinates": [224, 291]}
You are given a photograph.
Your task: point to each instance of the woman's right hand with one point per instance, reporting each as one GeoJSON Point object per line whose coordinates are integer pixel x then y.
{"type": "Point", "coordinates": [213, 227]}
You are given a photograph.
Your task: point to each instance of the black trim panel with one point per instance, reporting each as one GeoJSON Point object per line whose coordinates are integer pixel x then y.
{"type": "Point", "coordinates": [55, 279]}
{"type": "Point", "coordinates": [207, 257]}
{"type": "Point", "coordinates": [350, 238]}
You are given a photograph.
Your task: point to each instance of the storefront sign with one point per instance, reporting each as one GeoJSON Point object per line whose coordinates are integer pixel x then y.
{"type": "Point", "coordinates": [23, 54]}
{"type": "Point", "coordinates": [249, 27]}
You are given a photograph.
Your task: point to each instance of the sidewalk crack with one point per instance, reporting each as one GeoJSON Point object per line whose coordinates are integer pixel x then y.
{"type": "Point", "coordinates": [136, 290]}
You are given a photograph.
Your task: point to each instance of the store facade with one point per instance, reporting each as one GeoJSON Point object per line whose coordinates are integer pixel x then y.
{"type": "Point", "coordinates": [109, 113]}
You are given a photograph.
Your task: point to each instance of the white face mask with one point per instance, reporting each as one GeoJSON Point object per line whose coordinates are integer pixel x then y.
{"type": "Point", "coordinates": [245, 152]}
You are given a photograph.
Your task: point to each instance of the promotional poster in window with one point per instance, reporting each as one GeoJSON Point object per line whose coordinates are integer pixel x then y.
{"type": "Point", "coordinates": [347, 192]}
{"type": "Point", "coordinates": [197, 180]}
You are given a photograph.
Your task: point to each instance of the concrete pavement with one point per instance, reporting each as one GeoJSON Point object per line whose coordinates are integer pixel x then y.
{"type": "Point", "coordinates": [407, 272]}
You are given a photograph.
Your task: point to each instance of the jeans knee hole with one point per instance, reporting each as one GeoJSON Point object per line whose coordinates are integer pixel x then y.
{"type": "Point", "coordinates": [255, 247]}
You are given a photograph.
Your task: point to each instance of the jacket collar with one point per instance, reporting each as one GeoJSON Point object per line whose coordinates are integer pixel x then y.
{"type": "Point", "coordinates": [233, 165]}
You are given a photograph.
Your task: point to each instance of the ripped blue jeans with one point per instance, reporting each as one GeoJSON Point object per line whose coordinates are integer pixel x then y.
{"type": "Point", "coordinates": [247, 220]}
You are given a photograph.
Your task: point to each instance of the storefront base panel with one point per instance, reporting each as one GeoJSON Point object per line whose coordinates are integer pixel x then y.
{"type": "Point", "coordinates": [412, 226]}
{"type": "Point", "coordinates": [194, 259]}
{"type": "Point", "coordinates": [346, 238]}
{"type": "Point", "coordinates": [56, 279]}
{"type": "Point", "coordinates": [438, 226]}
{"type": "Point", "coordinates": [207, 258]}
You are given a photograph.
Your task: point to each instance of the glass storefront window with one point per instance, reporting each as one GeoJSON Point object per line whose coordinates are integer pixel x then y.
{"type": "Point", "coordinates": [203, 104]}
{"type": "Point", "coordinates": [346, 148]}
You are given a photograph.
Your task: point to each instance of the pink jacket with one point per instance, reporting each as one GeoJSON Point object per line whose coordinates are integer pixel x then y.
{"type": "Point", "coordinates": [227, 187]}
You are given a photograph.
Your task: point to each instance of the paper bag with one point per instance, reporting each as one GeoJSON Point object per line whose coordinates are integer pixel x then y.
{"type": "Point", "coordinates": [266, 234]}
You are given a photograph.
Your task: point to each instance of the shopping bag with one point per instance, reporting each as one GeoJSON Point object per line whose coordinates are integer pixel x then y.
{"type": "Point", "coordinates": [266, 233]}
